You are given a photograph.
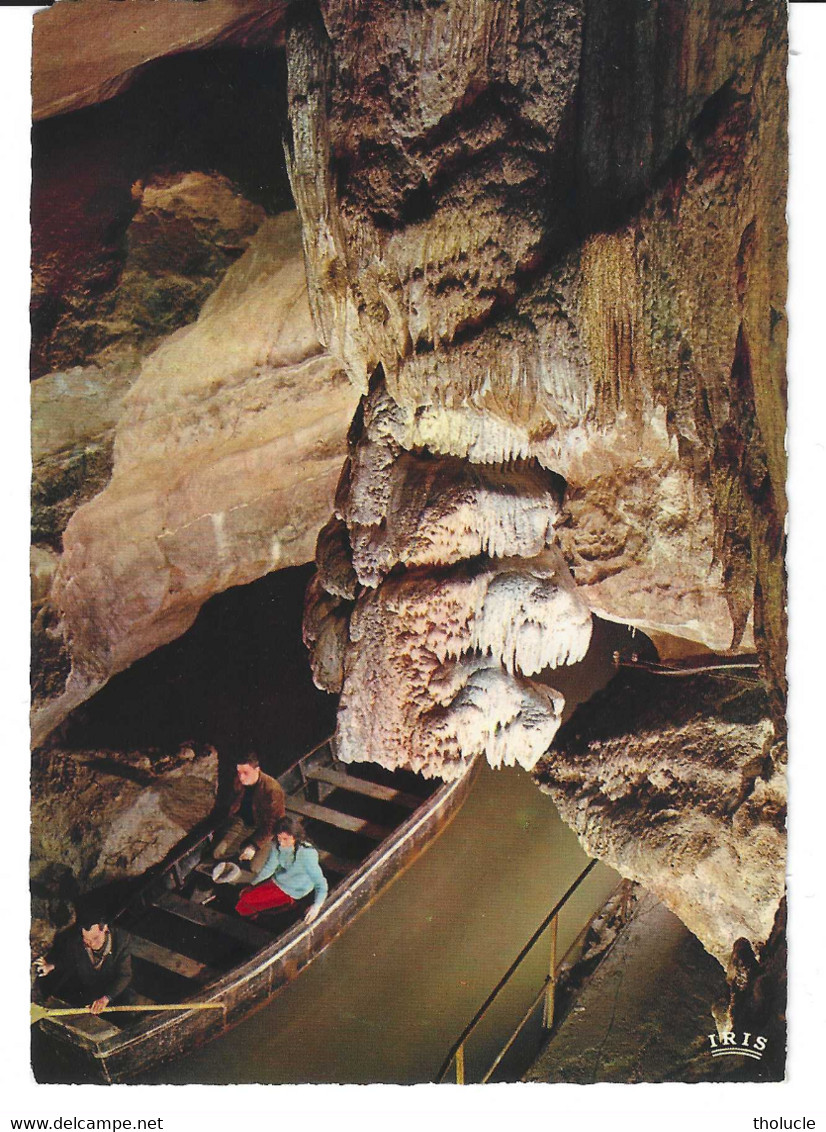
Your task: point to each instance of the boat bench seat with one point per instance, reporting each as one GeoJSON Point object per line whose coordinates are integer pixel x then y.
{"type": "Point", "coordinates": [169, 960]}
{"type": "Point", "coordinates": [343, 781]}
{"type": "Point", "coordinates": [208, 917]}
{"type": "Point", "coordinates": [334, 817]}
{"type": "Point", "coordinates": [94, 1026]}
{"type": "Point", "coordinates": [330, 863]}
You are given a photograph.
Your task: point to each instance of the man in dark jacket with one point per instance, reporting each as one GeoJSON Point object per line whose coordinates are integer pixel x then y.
{"type": "Point", "coordinates": [90, 965]}
{"type": "Point", "coordinates": [256, 804]}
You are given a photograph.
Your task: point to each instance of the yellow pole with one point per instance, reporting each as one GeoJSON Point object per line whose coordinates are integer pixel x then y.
{"type": "Point", "coordinates": [38, 1012]}
{"type": "Point", "coordinates": [550, 996]}
{"type": "Point", "coordinates": [460, 1064]}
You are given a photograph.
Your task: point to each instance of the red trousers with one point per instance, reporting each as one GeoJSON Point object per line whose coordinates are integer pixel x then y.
{"type": "Point", "coordinates": [260, 897]}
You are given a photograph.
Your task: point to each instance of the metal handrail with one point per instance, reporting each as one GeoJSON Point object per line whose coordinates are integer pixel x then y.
{"type": "Point", "coordinates": [549, 1002]}
{"type": "Point", "coordinates": [727, 666]}
{"type": "Point", "coordinates": [509, 1043]}
{"type": "Point", "coordinates": [458, 1047]}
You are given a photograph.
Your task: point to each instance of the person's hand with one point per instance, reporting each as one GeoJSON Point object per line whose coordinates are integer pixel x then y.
{"type": "Point", "coordinates": [42, 967]}
{"type": "Point", "coordinates": [99, 1004]}
{"type": "Point", "coordinates": [310, 914]}
{"type": "Point", "coordinates": [247, 854]}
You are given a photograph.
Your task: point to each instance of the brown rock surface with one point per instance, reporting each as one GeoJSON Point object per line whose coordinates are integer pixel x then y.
{"type": "Point", "coordinates": [146, 269]}
{"type": "Point", "coordinates": [74, 415]}
{"type": "Point", "coordinates": [678, 783]}
{"type": "Point", "coordinates": [552, 236]}
{"type": "Point", "coordinates": [105, 816]}
{"type": "Point", "coordinates": [111, 43]}
{"type": "Point", "coordinates": [225, 464]}
{"type": "Point", "coordinates": [186, 232]}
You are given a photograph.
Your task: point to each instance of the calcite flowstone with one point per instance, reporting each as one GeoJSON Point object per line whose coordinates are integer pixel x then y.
{"type": "Point", "coordinates": [225, 462]}
{"type": "Point", "coordinates": [419, 508]}
{"type": "Point", "coordinates": [678, 783]}
{"type": "Point", "coordinates": [639, 533]}
{"type": "Point", "coordinates": [555, 234]}
{"type": "Point", "coordinates": [436, 665]}
{"type": "Point", "coordinates": [440, 590]}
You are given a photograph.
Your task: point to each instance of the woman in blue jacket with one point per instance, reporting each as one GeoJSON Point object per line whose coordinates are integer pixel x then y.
{"type": "Point", "coordinates": [290, 872]}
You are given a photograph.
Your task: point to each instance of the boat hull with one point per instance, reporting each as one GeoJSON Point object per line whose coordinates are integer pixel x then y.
{"type": "Point", "coordinates": [126, 1055]}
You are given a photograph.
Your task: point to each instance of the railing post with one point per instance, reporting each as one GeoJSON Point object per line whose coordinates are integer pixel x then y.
{"type": "Point", "coordinates": [460, 1064]}
{"type": "Point", "coordinates": [626, 900]}
{"type": "Point", "coordinates": [550, 994]}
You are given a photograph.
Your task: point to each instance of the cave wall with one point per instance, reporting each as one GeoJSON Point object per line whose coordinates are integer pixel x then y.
{"type": "Point", "coordinates": [104, 275]}
{"type": "Point", "coordinates": [679, 783]}
{"type": "Point", "coordinates": [538, 267]}
{"type": "Point", "coordinates": [550, 238]}
{"type": "Point", "coordinates": [187, 428]}
{"type": "Point", "coordinates": [225, 457]}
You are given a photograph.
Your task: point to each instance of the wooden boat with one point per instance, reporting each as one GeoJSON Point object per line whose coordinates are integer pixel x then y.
{"type": "Point", "coordinates": [368, 824]}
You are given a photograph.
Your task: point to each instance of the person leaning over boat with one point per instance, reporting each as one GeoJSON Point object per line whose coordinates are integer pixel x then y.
{"type": "Point", "coordinates": [90, 964]}
{"type": "Point", "coordinates": [256, 804]}
{"type": "Point", "coordinates": [290, 872]}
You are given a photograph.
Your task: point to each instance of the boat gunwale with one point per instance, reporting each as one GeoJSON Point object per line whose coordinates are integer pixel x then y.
{"type": "Point", "coordinates": [282, 944]}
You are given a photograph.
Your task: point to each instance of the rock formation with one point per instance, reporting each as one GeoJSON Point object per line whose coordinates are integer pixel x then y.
{"type": "Point", "coordinates": [99, 817]}
{"type": "Point", "coordinates": [186, 232]}
{"type": "Point", "coordinates": [226, 453]}
{"type": "Point", "coordinates": [90, 52]}
{"type": "Point", "coordinates": [512, 253]}
{"type": "Point", "coordinates": [547, 242]}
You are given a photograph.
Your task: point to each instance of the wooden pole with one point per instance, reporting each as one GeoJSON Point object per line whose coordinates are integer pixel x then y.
{"type": "Point", "coordinates": [38, 1012]}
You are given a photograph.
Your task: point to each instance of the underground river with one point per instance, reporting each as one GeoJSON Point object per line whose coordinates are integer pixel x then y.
{"type": "Point", "coordinates": [387, 999]}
